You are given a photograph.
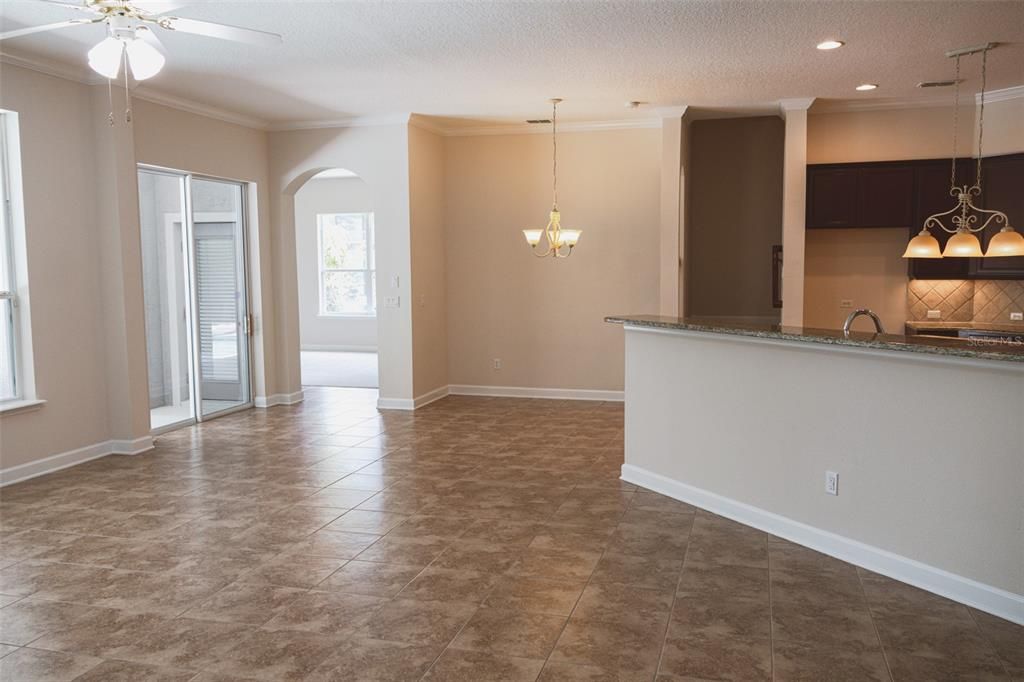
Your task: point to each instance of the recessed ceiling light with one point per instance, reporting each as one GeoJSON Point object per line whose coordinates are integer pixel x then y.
{"type": "Point", "coordinates": [867, 86]}
{"type": "Point", "coordinates": [830, 44]}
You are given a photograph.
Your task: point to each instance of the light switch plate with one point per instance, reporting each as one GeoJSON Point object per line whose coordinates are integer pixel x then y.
{"type": "Point", "coordinates": [1017, 317]}
{"type": "Point", "coordinates": [846, 303]}
{"type": "Point", "coordinates": [934, 314]}
{"type": "Point", "coordinates": [392, 301]}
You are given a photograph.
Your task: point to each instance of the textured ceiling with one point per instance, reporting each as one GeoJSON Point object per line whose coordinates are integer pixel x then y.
{"type": "Point", "coordinates": [497, 62]}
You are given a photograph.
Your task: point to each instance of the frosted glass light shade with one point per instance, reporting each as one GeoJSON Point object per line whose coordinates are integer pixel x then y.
{"type": "Point", "coordinates": [145, 60]}
{"type": "Point", "coordinates": [924, 245]}
{"type": "Point", "coordinates": [569, 237]}
{"type": "Point", "coordinates": [105, 57]}
{"type": "Point", "coordinates": [532, 236]}
{"type": "Point", "coordinates": [1007, 242]}
{"type": "Point", "coordinates": [962, 245]}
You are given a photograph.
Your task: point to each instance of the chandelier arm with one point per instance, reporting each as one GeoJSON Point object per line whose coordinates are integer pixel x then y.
{"type": "Point", "coordinates": [935, 220]}
{"type": "Point", "coordinates": [999, 217]}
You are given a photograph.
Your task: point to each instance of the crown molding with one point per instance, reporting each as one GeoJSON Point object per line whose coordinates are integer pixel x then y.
{"type": "Point", "coordinates": [796, 104]}
{"type": "Point", "coordinates": [534, 129]}
{"type": "Point", "coordinates": [671, 112]}
{"type": "Point", "coordinates": [1003, 95]}
{"type": "Point", "coordinates": [354, 122]}
{"type": "Point", "coordinates": [193, 107]}
{"type": "Point", "coordinates": [50, 68]}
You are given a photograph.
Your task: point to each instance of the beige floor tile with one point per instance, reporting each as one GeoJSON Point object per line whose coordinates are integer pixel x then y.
{"type": "Point", "coordinates": [471, 666]}
{"type": "Point", "coordinates": [370, 578]}
{"type": "Point", "coordinates": [511, 633]}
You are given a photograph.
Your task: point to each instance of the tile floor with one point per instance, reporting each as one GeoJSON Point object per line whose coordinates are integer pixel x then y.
{"type": "Point", "coordinates": [330, 541]}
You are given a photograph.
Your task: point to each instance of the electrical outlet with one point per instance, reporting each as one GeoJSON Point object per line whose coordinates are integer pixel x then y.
{"type": "Point", "coordinates": [846, 303]}
{"type": "Point", "coordinates": [394, 281]}
{"type": "Point", "coordinates": [934, 314]}
{"type": "Point", "coordinates": [497, 363]}
{"type": "Point", "coordinates": [1017, 317]}
{"type": "Point", "coordinates": [831, 483]}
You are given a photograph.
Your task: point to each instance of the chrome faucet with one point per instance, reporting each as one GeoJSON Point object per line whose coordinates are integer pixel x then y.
{"type": "Point", "coordinates": [857, 313]}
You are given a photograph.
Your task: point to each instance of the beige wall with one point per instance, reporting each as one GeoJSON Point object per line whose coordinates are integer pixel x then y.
{"type": "Point", "coordinates": [863, 266]}
{"type": "Point", "coordinates": [64, 268]}
{"type": "Point", "coordinates": [428, 298]}
{"type": "Point", "coordinates": [327, 195]}
{"type": "Point", "coordinates": [735, 216]}
{"type": "Point", "coordinates": [544, 318]}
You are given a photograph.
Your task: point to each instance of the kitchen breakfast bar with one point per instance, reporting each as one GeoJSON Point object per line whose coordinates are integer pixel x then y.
{"type": "Point", "coordinates": [925, 437]}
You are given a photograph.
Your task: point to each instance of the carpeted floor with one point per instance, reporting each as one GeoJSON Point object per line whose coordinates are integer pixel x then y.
{"type": "Point", "coordinates": [322, 368]}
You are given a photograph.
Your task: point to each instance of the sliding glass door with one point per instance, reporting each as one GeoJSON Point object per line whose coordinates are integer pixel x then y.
{"type": "Point", "coordinates": [195, 291]}
{"type": "Point", "coordinates": [220, 295]}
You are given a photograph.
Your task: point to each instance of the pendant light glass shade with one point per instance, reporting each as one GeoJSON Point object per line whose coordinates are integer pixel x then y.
{"type": "Point", "coordinates": [963, 244]}
{"type": "Point", "coordinates": [924, 245]}
{"type": "Point", "coordinates": [533, 236]}
{"type": "Point", "coordinates": [145, 60]}
{"type": "Point", "coordinates": [105, 58]}
{"type": "Point", "coordinates": [1007, 242]}
{"type": "Point", "coordinates": [569, 237]}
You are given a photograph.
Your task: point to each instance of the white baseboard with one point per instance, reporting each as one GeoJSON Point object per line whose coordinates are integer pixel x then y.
{"type": "Point", "coordinates": [265, 401]}
{"type": "Point", "coordinates": [429, 397]}
{"type": "Point", "coordinates": [131, 447]}
{"type": "Point", "coordinates": [984, 597]}
{"type": "Point", "coordinates": [396, 404]}
{"type": "Point", "coordinates": [527, 392]}
{"type": "Point", "coordinates": [63, 460]}
{"type": "Point", "coordinates": [339, 348]}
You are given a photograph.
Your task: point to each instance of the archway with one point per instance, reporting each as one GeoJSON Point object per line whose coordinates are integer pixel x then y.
{"type": "Point", "coordinates": [335, 251]}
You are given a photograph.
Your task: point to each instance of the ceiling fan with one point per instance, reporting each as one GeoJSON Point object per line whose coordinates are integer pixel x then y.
{"type": "Point", "coordinates": [130, 35]}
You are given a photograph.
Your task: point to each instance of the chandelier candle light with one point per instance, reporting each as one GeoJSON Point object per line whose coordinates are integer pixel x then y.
{"type": "Point", "coordinates": [560, 241]}
{"type": "Point", "coordinates": [965, 215]}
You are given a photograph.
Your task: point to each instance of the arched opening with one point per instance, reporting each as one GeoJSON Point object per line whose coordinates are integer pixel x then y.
{"type": "Point", "coordinates": [335, 252]}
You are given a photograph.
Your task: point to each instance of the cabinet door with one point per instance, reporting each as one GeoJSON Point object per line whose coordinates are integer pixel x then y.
{"type": "Point", "coordinates": [886, 196]}
{"type": "Point", "coordinates": [933, 197]}
{"type": "Point", "coordinates": [832, 197]}
{"type": "Point", "coordinates": [1003, 185]}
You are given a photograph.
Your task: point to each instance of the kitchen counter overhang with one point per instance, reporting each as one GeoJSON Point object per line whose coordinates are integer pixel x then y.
{"type": "Point", "coordinates": [978, 349]}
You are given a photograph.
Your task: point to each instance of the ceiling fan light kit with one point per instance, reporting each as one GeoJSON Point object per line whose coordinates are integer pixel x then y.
{"type": "Point", "coordinates": [130, 36]}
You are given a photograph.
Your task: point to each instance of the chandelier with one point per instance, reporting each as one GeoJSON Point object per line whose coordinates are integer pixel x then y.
{"type": "Point", "coordinates": [965, 219]}
{"type": "Point", "coordinates": [560, 242]}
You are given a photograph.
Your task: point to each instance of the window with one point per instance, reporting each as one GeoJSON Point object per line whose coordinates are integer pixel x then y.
{"type": "Point", "coordinates": [14, 384]}
{"type": "Point", "coordinates": [348, 283]}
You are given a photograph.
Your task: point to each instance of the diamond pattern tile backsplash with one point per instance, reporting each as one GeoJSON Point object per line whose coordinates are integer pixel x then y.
{"type": "Point", "coordinates": [962, 300]}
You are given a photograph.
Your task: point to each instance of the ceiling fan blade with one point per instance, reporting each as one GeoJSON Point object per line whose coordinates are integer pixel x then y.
{"type": "Point", "coordinates": [45, 27]}
{"type": "Point", "coordinates": [67, 5]}
{"type": "Point", "coordinates": [158, 6]}
{"type": "Point", "coordinates": [223, 31]}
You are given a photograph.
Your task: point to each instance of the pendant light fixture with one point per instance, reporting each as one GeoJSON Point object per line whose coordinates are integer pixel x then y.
{"type": "Point", "coordinates": [560, 242]}
{"type": "Point", "coordinates": [964, 217]}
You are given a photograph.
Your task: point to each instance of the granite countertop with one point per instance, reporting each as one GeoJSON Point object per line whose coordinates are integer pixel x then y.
{"type": "Point", "coordinates": [950, 347]}
{"type": "Point", "coordinates": [1013, 327]}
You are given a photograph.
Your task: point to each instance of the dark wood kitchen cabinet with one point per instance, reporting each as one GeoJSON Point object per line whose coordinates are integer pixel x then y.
{"type": "Point", "coordinates": [1003, 189]}
{"type": "Point", "coordinates": [860, 195]}
{"type": "Point", "coordinates": [905, 193]}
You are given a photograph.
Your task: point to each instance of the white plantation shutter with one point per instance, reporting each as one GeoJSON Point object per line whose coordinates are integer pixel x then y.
{"type": "Point", "coordinates": [218, 307]}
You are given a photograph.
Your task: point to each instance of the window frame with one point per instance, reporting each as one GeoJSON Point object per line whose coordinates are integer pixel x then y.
{"type": "Point", "coordinates": [369, 273]}
{"type": "Point", "coordinates": [13, 233]}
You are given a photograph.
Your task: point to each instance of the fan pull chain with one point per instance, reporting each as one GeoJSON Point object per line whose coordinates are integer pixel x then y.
{"type": "Point", "coordinates": [110, 99]}
{"type": "Point", "coordinates": [127, 92]}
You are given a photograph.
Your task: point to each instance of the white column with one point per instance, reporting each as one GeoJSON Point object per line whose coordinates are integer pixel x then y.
{"type": "Point", "coordinates": [794, 192]}
{"type": "Point", "coordinates": [670, 295]}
